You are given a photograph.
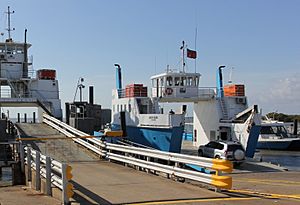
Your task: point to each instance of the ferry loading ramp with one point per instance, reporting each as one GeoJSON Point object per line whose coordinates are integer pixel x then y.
{"type": "Point", "coordinates": [101, 182]}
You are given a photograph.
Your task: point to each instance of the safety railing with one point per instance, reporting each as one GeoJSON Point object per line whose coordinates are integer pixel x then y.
{"type": "Point", "coordinates": [172, 164]}
{"type": "Point", "coordinates": [184, 92]}
{"type": "Point", "coordinates": [54, 173]}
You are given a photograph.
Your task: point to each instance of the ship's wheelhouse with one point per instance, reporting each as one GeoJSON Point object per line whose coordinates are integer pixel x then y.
{"type": "Point", "coordinates": [175, 84]}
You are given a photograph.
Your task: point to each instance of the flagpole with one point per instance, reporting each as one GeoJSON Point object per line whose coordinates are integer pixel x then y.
{"type": "Point", "coordinates": [196, 49]}
{"type": "Point", "coordinates": [183, 63]}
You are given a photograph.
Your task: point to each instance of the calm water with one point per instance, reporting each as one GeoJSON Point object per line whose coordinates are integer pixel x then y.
{"type": "Point", "coordinates": [6, 177]}
{"type": "Point", "coordinates": [288, 159]}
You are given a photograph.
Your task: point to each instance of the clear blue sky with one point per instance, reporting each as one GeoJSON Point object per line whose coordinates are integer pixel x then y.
{"type": "Point", "coordinates": [260, 39]}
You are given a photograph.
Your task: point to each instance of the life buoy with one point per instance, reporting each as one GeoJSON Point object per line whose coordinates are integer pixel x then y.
{"type": "Point", "coordinates": [169, 91]}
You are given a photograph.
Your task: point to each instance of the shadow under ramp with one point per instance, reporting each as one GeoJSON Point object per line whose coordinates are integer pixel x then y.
{"type": "Point", "coordinates": [85, 196]}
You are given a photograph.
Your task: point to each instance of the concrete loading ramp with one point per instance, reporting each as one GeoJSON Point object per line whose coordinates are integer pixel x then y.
{"type": "Point", "coordinates": [110, 183]}
{"type": "Point", "coordinates": [101, 182]}
{"type": "Point", "coordinates": [61, 150]}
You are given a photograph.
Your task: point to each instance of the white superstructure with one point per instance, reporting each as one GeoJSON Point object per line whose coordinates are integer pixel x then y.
{"type": "Point", "coordinates": [142, 111]}
{"type": "Point", "coordinates": [20, 86]}
{"type": "Point", "coordinates": [215, 116]}
{"type": "Point", "coordinates": [178, 86]}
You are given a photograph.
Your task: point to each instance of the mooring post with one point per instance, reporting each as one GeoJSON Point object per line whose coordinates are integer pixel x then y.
{"type": "Point", "coordinates": [48, 176]}
{"type": "Point", "coordinates": [37, 171]}
{"type": "Point", "coordinates": [33, 116]}
{"type": "Point", "coordinates": [25, 117]}
{"type": "Point", "coordinates": [18, 117]}
{"type": "Point", "coordinates": [29, 178]}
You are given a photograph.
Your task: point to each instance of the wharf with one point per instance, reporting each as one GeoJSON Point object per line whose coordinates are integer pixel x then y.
{"type": "Point", "coordinates": [101, 182]}
{"type": "Point", "coordinates": [20, 195]}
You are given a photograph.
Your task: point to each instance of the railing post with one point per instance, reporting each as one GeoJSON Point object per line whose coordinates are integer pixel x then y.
{"type": "Point", "coordinates": [126, 164]}
{"type": "Point", "coordinates": [65, 198]}
{"type": "Point", "coordinates": [168, 175]}
{"type": "Point", "coordinates": [22, 158]}
{"type": "Point", "coordinates": [29, 177]}
{"type": "Point", "coordinates": [37, 171]}
{"type": "Point", "coordinates": [48, 176]}
{"type": "Point", "coordinates": [148, 160]}
{"type": "Point", "coordinates": [218, 173]}
{"type": "Point", "coordinates": [109, 151]}
{"type": "Point", "coordinates": [67, 191]}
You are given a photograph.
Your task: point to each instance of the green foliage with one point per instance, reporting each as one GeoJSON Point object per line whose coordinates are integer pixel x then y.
{"type": "Point", "coordinates": [283, 117]}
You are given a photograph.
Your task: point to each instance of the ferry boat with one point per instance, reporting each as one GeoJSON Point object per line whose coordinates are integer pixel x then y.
{"type": "Point", "coordinates": [274, 136]}
{"type": "Point", "coordinates": [216, 114]}
{"type": "Point", "coordinates": [146, 122]}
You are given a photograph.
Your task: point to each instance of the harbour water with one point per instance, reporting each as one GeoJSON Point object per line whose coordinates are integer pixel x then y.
{"type": "Point", "coordinates": [6, 177]}
{"type": "Point", "coordinates": [287, 159]}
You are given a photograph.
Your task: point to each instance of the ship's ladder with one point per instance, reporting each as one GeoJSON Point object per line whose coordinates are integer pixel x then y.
{"type": "Point", "coordinates": [224, 109]}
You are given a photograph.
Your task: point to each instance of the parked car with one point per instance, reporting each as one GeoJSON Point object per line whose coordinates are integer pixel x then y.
{"type": "Point", "coordinates": [230, 150]}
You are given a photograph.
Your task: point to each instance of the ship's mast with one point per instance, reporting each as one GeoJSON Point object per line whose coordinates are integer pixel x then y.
{"type": "Point", "coordinates": [9, 29]}
{"type": "Point", "coordinates": [183, 60]}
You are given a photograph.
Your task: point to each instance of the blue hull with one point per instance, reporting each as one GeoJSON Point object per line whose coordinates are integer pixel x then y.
{"type": "Point", "coordinates": [164, 139]}
{"type": "Point", "coordinates": [279, 145]}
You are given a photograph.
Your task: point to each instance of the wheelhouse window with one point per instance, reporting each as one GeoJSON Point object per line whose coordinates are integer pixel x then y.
{"type": "Point", "coordinates": [177, 81]}
{"type": "Point", "coordinates": [183, 81]}
{"type": "Point", "coordinates": [189, 81]}
{"type": "Point", "coordinates": [197, 81]}
{"type": "Point", "coordinates": [162, 82]}
{"type": "Point", "coordinates": [169, 81]}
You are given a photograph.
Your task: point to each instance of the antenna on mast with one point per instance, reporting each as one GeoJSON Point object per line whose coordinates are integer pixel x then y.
{"type": "Point", "coordinates": [8, 22]}
{"type": "Point", "coordinates": [230, 75]}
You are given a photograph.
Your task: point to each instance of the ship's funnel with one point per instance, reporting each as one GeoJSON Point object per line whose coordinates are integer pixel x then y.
{"type": "Point", "coordinates": [220, 90]}
{"type": "Point", "coordinates": [118, 76]}
{"type": "Point", "coordinates": [118, 79]}
{"type": "Point", "coordinates": [91, 95]}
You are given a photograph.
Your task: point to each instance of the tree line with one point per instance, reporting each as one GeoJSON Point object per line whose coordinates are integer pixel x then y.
{"type": "Point", "coordinates": [283, 117]}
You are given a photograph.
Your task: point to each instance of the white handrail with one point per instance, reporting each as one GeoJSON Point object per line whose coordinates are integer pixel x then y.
{"type": "Point", "coordinates": [127, 154]}
{"type": "Point", "coordinates": [53, 171]}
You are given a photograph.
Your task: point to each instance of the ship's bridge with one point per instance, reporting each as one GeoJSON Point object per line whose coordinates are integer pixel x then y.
{"type": "Point", "coordinates": [12, 57]}
{"type": "Point", "coordinates": [173, 86]}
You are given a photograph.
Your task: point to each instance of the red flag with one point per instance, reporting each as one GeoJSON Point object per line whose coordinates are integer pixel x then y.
{"type": "Point", "coordinates": [191, 54]}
